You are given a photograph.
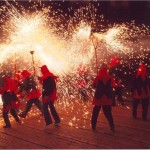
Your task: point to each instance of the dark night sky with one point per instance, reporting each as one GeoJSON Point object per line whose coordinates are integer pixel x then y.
{"type": "Point", "coordinates": [136, 10]}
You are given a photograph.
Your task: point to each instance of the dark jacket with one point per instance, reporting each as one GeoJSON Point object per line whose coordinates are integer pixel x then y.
{"type": "Point", "coordinates": [103, 89]}
{"type": "Point", "coordinates": [49, 86]}
{"type": "Point", "coordinates": [103, 84]}
{"type": "Point", "coordinates": [48, 81]}
{"type": "Point", "coordinates": [30, 87]}
{"type": "Point", "coordinates": [10, 100]}
{"type": "Point", "coordinates": [140, 87]}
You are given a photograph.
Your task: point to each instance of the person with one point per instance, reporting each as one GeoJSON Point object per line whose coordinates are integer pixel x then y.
{"type": "Point", "coordinates": [141, 92]}
{"type": "Point", "coordinates": [48, 81]}
{"type": "Point", "coordinates": [103, 97]}
{"type": "Point", "coordinates": [115, 71]}
{"type": "Point", "coordinates": [10, 101]}
{"type": "Point", "coordinates": [118, 91]}
{"type": "Point", "coordinates": [33, 93]}
{"type": "Point", "coordinates": [82, 72]}
{"type": "Point", "coordinates": [82, 89]}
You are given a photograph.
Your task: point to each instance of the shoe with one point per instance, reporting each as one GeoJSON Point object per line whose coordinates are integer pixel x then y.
{"type": "Point", "coordinates": [144, 119]}
{"type": "Point", "coordinates": [19, 122]}
{"type": "Point", "coordinates": [7, 126]}
{"type": "Point", "coordinates": [41, 115]}
{"type": "Point", "coordinates": [113, 104]}
{"type": "Point", "coordinates": [122, 103]}
{"type": "Point", "coordinates": [57, 123]}
{"type": "Point", "coordinates": [134, 116]}
{"type": "Point", "coordinates": [112, 129]}
{"type": "Point", "coordinates": [47, 126]}
{"type": "Point", "coordinates": [22, 115]}
{"type": "Point", "coordinates": [93, 127]}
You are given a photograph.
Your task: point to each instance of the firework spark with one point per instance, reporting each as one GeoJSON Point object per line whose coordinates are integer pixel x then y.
{"type": "Point", "coordinates": [66, 47]}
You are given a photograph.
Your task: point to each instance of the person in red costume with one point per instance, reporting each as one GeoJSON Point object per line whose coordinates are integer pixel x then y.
{"type": "Point", "coordinates": [49, 95]}
{"type": "Point", "coordinates": [118, 91]}
{"type": "Point", "coordinates": [33, 93]}
{"type": "Point", "coordinates": [115, 70]}
{"type": "Point", "coordinates": [141, 92]}
{"type": "Point", "coordinates": [10, 101]}
{"type": "Point", "coordinates": [103, 97]}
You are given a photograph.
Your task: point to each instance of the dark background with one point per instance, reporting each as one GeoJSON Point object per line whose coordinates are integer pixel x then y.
{"type": "Point", "coordinates": [121, 11]}
{"type": "Point", "coordinates": [114, 11]}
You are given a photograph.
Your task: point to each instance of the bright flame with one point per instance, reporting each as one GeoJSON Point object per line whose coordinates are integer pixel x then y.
{"type": "Point", "coordinates": [84, 31]}
{"type": "Point", "coordinates": [31, 33]}
{"type": "Point", "coordinates": [112, 41]}
{"type": "Point", "coordinates": [64, 48]}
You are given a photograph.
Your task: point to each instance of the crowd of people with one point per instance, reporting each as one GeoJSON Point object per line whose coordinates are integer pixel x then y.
{"type": "Point", "coordinates": [26, 84]}
{"type": "Point", "coordinates": [107, 88]}
{"type": "Point", "coordinates": [105, 96]}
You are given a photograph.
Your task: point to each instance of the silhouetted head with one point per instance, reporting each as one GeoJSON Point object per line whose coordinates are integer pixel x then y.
{"type": "Point", "coordinates": [141, 70]}
{"type": "Point", "coordinates": [103, 71]}
{"type": "Point", "coordinates": [25, 74]}
{"type": "Point", "coordinates": [44, 69]}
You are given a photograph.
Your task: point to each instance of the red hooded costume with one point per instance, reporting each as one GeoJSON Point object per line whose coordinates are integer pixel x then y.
{"type": "Point", "coordinates": [30, 86]}
{"type": "Point", "coordinates": [48, 81]}
{"type": "Point", "coordinates": [103, 84]}
{"type": "Point", "coordinates": [114, 61]}
{"type": "Point", "coordinates": [9, 97]}
{"type": "Point", "coordinates": [141, 85]}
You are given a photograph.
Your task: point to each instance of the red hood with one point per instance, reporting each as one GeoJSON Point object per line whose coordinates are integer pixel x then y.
{"type": "Point", "coordinates": [10, 84]}
{"type": "Point", "coordinates": [103, 74]}
{"type": "Point", "coordinates": [18, 75]}
{"type": "Point", "coordinates": [45, 71]}
{"type": "Point", "coordinates": [114, 61]}
{"type": "Point", "coordinates": [141, 70]}
{"type": "Point", "coordinates": [25, 74]}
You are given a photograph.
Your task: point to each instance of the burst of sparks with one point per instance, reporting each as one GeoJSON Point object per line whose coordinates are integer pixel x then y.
{"type": "Point", "coordinates": [63, 47]}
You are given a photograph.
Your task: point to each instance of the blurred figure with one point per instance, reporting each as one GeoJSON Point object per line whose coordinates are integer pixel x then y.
{"type": "Point", "coordinates": [82, 72]}
{"type": "Point", "coordinates": [48, 81]}
{"type": "Point", "coordinates": [17, 78]}
{"type": "Point", "coordinates": [115, 71]}
{"type": "Point", "coordinates": [103, 97]}
{"type": "Point", "coordinates": [29, 86]}
{"type": "Point", "coordinates": [18, 75]}
{"type": "Point", "coordinates": [141, 92]}
{"type": "Point", "coordinates": [10, 101]}
{"type": "Point", "coordinates": [82, 89]}
{"type": "Point", "coordinates": [118, 91]}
